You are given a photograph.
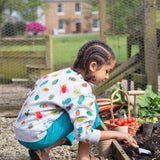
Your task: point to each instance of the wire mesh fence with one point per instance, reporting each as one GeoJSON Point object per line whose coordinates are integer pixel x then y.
{"type": "Point", "coordinates": [38, 37]}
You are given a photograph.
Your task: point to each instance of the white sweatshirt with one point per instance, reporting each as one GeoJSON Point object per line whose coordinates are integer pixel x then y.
{"type": "Point", "coordinates": [55, 93]}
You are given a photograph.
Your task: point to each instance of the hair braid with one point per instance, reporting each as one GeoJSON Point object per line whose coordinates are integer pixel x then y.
{"type": "Point", "coordinates": [94, 50]}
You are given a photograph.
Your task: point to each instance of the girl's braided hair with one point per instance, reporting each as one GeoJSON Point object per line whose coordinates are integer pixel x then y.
{"type": "Point", "coordinates": [94, 50]}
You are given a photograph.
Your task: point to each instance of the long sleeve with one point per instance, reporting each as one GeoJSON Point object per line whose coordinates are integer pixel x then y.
{"type": "Point", "coordinates": [83, 116]}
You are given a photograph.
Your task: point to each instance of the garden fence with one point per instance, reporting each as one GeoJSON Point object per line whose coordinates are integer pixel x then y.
{"type": "Point", "coordinates": [130, 28]}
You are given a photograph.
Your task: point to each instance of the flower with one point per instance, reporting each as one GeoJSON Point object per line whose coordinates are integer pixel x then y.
{"type": "Point", "coordinates": [35, 27]}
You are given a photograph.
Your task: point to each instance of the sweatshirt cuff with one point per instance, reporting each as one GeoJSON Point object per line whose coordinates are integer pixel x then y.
{"type": "Point", "coordinates": [95, 136]}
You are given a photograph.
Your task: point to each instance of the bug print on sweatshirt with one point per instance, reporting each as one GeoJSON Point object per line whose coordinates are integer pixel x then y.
{"type": "Point", "coordinates": [90, 104]}
{"type": "Point", "coordinates": [25, 104]}
{"type": "Point", "coordinates": [43, 106]}
{"type": "Point", "coordinates": [45, 82]}
{"type": "Point", "coordinates": [23, 122]}
{"type": "Point", "coordinates": [66, 101]}
{"type": "Point", "coordinates": [72, 79]}
{"type": "Point", "coordinates": [84, 84]}
{"type": "Point", "coordinates": [77, 112]}
{"type": "Point", "coordinates": [36, 97]}
{"type": "Point", "coordinates": [87, 140]}
{"type": "Point", "coordinates": [79, 131]}
{"type": "Point", "coordinates": [27, 112]}
{"type": "Point", "coordinates": [89, 113]}
{"type": "Point", "coordinates": [81, 119]}
{"type": "Point", "coordinates": [30, 126]}
{"type": "Point", "coordinates": [64, 89]}
{"type": "Point", "coordinates": [38, 115]}
{"type": "Point", "coordinates": [54, 111]}
{"type": "Point", "coordinates": [32, 93]}
{"type": "Point", "coordinates": [77, 91]}
{"type": "Point", "coordinates": [51, 97]}
{"type": "Point", "coordinates": [45, 76]}
{"type": "Point", "coordinates": [55, 82]}
{"type": "Point", "coordinates": [45, 89]}
{"type": "Point", "coordinates": [81, 99]}
{"type": "Point", "coordinates": [68, 71]}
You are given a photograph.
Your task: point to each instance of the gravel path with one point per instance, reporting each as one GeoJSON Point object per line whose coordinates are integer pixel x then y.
{"type": "Point", "coordinates": [10, 149]}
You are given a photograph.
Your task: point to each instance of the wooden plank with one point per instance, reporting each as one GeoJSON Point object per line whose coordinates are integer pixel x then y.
{"type": "Point", "coordinates": [38, 67]}
{"type": "Point", "coordinates": [118, 152]}
{"type": "Point", "coordinates": [22, 42]}
{"type": "Point", "coordinates": [139, 78]}
{"type": "Point", "coordinates": [150, 43]}
{"type": "Point", "coordinates": [22, 54]}
{"type": "Point", "coordinates": [125, 65]}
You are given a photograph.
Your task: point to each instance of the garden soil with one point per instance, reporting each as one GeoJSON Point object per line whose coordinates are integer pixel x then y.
{"type": "Point", "coordinates": [151, 143]}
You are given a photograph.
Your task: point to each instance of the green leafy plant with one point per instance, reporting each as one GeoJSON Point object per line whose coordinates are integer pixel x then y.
{"type": "Point", "coordinates": [142, 120]}
{"type": "Point", "coordinates": [148, 104]}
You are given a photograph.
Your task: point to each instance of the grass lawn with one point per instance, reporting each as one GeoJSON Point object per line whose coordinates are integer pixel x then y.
{"type": "Point", "coordinates": [65, 48]}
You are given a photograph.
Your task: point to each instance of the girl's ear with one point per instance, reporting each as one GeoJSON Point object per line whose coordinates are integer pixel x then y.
{"type": "Point", "coordinates": [93, 66]}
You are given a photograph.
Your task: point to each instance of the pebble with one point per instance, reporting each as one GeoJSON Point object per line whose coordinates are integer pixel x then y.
{"type": "Point", "coordinates": [10, 149]}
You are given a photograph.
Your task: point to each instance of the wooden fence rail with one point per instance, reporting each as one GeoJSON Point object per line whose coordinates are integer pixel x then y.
{"type": "Point", "coordinates": [18, 63]}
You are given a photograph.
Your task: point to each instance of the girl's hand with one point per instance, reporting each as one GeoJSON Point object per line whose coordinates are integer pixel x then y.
{"type": "Point", "coordinates": [126, 138]}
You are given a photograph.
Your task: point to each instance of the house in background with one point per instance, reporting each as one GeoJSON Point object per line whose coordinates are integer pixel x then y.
{"type": "Point", "coordinates": [70, 16]}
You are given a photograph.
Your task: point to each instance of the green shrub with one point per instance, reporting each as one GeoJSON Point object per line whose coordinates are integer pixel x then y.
{"type": "Point", "coordinates": [20, 28]}
{"type": "Point", "coordinates": [8, 30]}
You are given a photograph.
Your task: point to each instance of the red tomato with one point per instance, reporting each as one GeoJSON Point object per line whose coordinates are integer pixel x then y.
{"type": "Point", "coordinates": [132, 124]}
{"type": "Point", "coordinates": [126, 124]}
{"type": "Point", "coordinates": [122, 120]}
{"type": "Point", "coordinates": [136, 124]}
{"type": "Point", "coordinates": [129, 120]}
{"type": "Point", "coordinates": [119, 123]}
{"type": "Point", "coordinates": [110, 121]}
{"type": "Point", "coordinates": [133, 119]}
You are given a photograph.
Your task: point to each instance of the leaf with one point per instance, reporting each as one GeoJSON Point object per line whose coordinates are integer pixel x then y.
{"type": "Point", "coordinates": [143, 101]}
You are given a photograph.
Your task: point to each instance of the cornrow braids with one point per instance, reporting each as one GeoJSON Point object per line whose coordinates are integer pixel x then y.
{"type": "Point", "coordinates": [94, 50]}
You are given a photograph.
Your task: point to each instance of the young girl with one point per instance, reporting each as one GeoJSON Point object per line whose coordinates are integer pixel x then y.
{"type": "Point", "coordinates": [61, 107]}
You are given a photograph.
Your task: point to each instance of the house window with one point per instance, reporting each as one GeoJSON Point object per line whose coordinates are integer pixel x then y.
{"type": "Point", "coordinates": [77, 8]}
{"type": "Point", "coordinates": [60, 8]}
{"type": "Point", "coordinates": [60, 26]}
{"type": "Point", "coordinates": [95, 25]}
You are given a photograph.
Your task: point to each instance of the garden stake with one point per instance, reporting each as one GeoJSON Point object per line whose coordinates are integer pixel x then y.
{"type": "Point", "coordinates": [135, 93]}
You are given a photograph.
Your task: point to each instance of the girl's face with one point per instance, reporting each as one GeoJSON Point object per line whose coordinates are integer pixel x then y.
{"type": "Point", "coordinates": [100, 74]}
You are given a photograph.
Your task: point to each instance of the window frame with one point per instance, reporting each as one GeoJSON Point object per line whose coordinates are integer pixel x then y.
{"type": "Point", "coordinates": [61, 25]}
{"type": "Point", "coordinates": [60, 9]}
{"type": "Point", "coordinates": [93, 24]}
{"type": "Point", "coordinates": [79, 8]}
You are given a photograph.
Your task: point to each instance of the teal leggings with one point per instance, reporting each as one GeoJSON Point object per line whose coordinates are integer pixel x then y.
{"type": "Point", "coordinates": [62, 127]}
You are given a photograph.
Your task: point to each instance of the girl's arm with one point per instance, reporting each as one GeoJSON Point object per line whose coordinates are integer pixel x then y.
{"type": "Point", "coordinates": [125, 137]}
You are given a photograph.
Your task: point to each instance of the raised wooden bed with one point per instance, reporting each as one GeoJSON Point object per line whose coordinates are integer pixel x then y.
{"type": "Point", "coordinates": [111, 148]}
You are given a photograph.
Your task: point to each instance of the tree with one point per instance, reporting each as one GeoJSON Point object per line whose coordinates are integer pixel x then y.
{"type": "Point", "coordinates": [122, 12]}
{"type": "Point", "coordinates": [123, 15]}
{"type": "Point", "coordinates": [26, 8]}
